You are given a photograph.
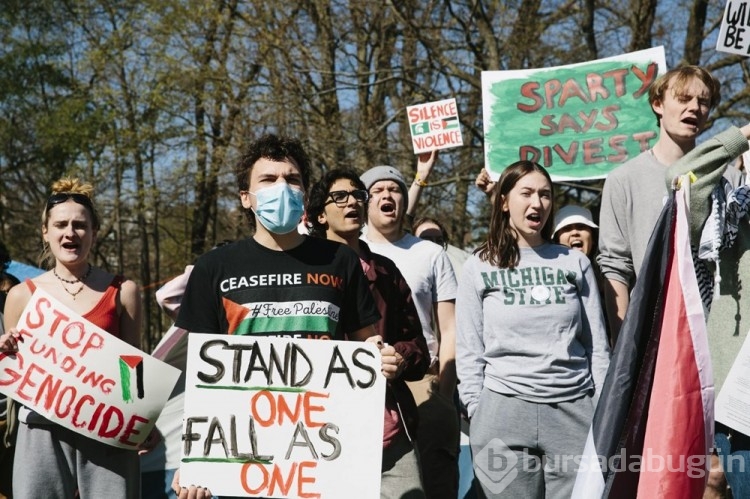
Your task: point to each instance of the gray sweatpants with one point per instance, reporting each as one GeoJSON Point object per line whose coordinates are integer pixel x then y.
{"type": "Point", "coordinates": [53, 462]}
{"type": "Point", "coordinates": [526, 449]}
{"type": "Point", "coordinates": [401, 477]}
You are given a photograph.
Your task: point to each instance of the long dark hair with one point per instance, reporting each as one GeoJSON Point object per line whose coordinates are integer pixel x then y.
{"type": "Point", "coordinates": [501, 247]}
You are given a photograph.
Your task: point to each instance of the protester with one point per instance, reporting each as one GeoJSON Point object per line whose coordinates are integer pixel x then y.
{"type": "Point", "coordinates": [50, 460]}
{"type": "Point", "coordinates": [272, 175]}
{"type": "Point", "coordinates": [7, 281]}
{"type": "Point", "coordinates": [432, 230]}
{"type": "Point", "coordinates": [575, 228]}
{"type": "Point", "coordinates": [428, 271]}
{"type": "Point", "coordinates": [634, 193]}
{"type": "Point", "coordinates": [337, 211]}
{"type": "Point", "coordinates": [532, 350]}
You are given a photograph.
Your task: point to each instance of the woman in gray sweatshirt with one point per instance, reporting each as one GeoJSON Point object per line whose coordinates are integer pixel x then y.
{"type": "Point", "coordinates": [531, 346]}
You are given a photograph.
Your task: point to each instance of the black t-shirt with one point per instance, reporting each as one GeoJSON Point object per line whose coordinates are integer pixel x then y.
{"type": "Point", "coordinates": [316, 290]}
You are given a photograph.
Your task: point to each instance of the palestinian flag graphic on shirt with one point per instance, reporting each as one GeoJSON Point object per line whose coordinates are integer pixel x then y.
{"type": "Point", "coordinates": [314, 317]}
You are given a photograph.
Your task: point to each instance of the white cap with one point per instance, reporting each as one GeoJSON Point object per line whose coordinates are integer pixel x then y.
{"type": "Point", "coordinates": [572, 214]}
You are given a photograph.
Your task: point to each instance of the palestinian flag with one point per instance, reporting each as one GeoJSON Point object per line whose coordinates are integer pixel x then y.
{"type": "Point", "coordinates": [306, 316]}
{"type": "Point", "coordinates": [653, 426]}
{"type": "Point", "coordinates": [450, 122]}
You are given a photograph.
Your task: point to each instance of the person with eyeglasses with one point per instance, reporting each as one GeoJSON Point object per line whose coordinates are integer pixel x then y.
{"type": "Point", "coordinates": [429, 273]}
{"type": "Point", "coordinates": [337, 210]}
{"type": "Point", "coordinates": [50, 460]}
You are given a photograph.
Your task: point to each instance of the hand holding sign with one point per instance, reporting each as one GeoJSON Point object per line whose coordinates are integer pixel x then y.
{"type": "Point", "coordinates": [425, 163]}
{"type": "Point", "coordinates": [391, 362]}
{"type": "Point", "coordinates": [9, 340]}
{"type": "Point", "coordinates": [434, 125]}
{"type": "Point", "coordinates": [192, 492]}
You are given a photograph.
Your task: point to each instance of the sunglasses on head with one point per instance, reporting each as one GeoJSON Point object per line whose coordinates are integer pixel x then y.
{"type": "Point", "coordinates": [61, 197]}
{"type": "Point", "coordinates": [341, 197]}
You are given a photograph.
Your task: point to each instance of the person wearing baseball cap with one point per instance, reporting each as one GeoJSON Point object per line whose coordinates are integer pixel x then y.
{"type": "Point", "coordinates": [575, 228]}
{"type": "Point", "coordinates": [429, 274]}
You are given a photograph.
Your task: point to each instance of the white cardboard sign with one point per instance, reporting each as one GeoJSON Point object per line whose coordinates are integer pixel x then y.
{"type": "Point", "coordinates": [77, 375]}
{"type": "Point", "coordinates": [434, 126]}
{"type": "Point", "coordinates": [283, 417]}
{"type": "Point", "coordinates": [733, 401]}
{"type": "Point", "coordinates": [734, 34]}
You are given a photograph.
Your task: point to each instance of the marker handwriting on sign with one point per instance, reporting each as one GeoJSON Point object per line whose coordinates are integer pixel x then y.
{"type": "Point", "coordinates": [228, 438]}
{"type": "Point", "coordinates": [257, 479]}
{"type": "Point", "coordinates": [282, 417]}
{"type": "Point", "coordinates": [76, 374]}
{"type": "Point", "coordinates": [442, 109]}
{"type": "Point", "coordinates": [33, 384]}
{"type": "Point", "coordinates": [736, 21]}
{"type": "Point", "coordinates": [73, 334]}
{"type": "Point", "coordinates": [292, 368]}
{"type": "Point", "coordinates": [590, 151]}
{"type": "Point", "coordinates": [555, 93]}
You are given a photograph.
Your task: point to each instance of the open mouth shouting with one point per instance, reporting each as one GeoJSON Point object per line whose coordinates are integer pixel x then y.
{"type": "Point", "coordinates": [576, 243]}
{"type": "Point", "coordinates": [534, 220]}
{"type": "Point", "coordinates": [353, 215]}
{"type": "Point", "coordinates": [70, 246]}
{"type": "Point", "coordinates": [388, 207]}
{"type": "Point", "coordinates": [692, 122]}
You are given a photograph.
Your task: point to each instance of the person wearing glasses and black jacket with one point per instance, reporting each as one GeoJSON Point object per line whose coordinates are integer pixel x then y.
{"type": "Point", "coordinates": [337, 210]}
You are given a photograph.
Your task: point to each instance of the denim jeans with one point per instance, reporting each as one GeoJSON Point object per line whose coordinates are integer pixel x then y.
{"type": "Point", "coordinates": [733, 448]}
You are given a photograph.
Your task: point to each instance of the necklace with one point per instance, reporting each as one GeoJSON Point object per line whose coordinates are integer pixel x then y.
{"type": "Point", "coordinates": [74, 281]}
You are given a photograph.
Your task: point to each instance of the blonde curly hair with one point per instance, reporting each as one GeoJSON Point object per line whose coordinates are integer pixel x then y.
{"type": "Point", "coordinates": [72, 185]}
{"type": "Point", "coordinates": [81, 193]}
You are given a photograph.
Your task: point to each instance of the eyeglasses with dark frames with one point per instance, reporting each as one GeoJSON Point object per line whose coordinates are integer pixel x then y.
{"type": "Point", "coordinates": [61, 197]}
{"type": "Point", "coordinates": [341, 197]}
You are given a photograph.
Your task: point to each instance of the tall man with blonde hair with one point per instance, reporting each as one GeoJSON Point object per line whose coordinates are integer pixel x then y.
{"type": "Point", "coordinates": [635, 192]}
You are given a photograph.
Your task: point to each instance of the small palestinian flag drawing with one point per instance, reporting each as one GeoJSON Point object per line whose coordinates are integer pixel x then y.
{"type": "Point", "coordinates": [128, 363]}
{"type": "Point", "coordinates": [449, 123]}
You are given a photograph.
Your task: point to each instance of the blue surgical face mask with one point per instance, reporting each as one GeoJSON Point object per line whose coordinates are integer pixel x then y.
{"type": "Point", "coordinates": [279, 208]}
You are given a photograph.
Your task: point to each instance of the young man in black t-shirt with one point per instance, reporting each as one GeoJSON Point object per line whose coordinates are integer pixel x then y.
{"type": "Point", "coordinates": [278, 282]}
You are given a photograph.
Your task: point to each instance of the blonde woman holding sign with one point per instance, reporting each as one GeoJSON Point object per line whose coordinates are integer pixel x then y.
{"type": "Point", "coordinates": [50, 460]}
